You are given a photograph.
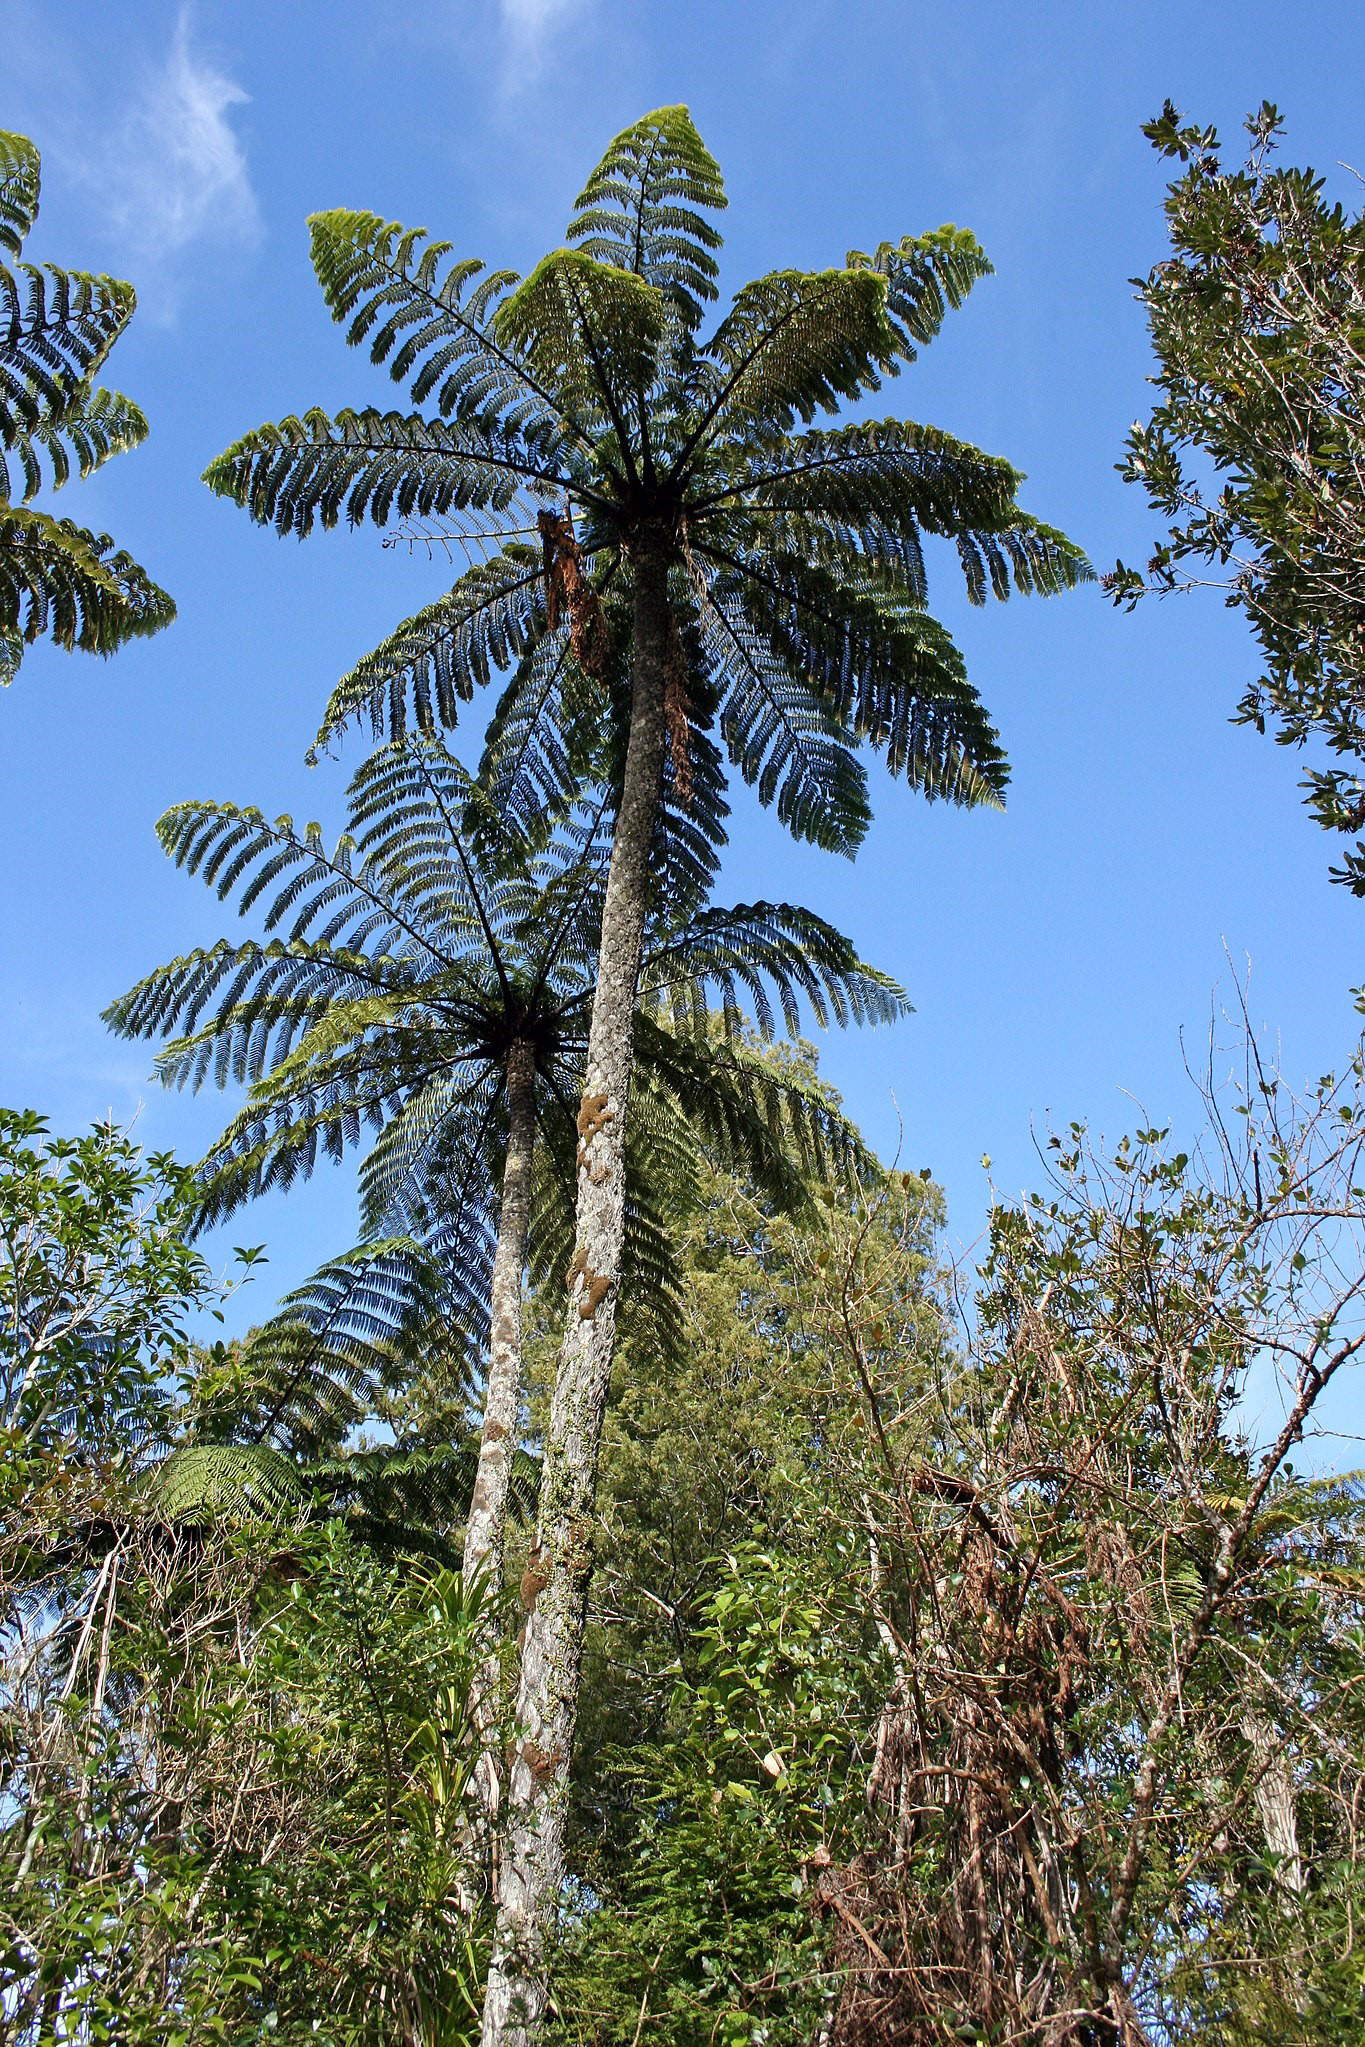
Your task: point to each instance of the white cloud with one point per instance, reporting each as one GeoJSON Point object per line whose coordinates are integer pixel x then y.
{"type": "Point", "coordinates": [528, 17]}
{"type": "Point", "coordinates": [175, 172]}
{"type": "Point", "coordinates": [528, 25]}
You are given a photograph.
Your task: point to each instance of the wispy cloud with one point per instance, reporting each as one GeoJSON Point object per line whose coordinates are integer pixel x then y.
{"type": "Point", "coordinates": [529, 27]}
{"type": "Point", "coordinates": [175, 172]}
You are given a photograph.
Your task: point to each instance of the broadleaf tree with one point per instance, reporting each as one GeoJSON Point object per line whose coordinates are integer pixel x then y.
{"type": "Point", "coordinates": [1255, 448]}
{"type": "Point", "coordinates": [709, 557]}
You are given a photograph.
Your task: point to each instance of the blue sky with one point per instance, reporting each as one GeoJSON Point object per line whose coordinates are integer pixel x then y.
{"type": "Point", "coordinates": [1055, 954]}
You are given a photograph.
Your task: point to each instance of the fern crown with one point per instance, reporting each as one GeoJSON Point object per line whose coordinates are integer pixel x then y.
{"type": "Point", "coordinates": [394, 972]}
{"type": "Point", "coordinates": [581, 414]}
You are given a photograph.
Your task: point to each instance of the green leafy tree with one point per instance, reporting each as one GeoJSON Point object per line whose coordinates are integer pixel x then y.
{"type": "Point", "coordinates": [56, 330]}
{"type": "Point", "coordinates": [1124, 1635]}
{"type": "Point", "coordinates": [235, 1735]}
{"type": "Point", "coordinates": [707, 556]}
{"type": "Point", "coordinates": [434, 986]}
{"type": "Point", "coordinates": [1032, 1709]}
{"type": "Point", "coordinates": [1256, 448]}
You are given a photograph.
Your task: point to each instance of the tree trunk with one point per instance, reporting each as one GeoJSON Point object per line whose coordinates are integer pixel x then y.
{"type": "Point", "coordinates": [486, 1527]}
{"type": "Point", "coordinates": [556, 1585]}
{"type": "Point", "coordinates": [1273, 1790]}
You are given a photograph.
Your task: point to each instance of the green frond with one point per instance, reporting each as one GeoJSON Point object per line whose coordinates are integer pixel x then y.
{"type": "Point", "coordinates": [259, 999]}
{"type": "Point", "coordinates": [439, 657]}
{"type": "Point", "coordinates": [20, 181]}
{"type": "Point", "coordinates": [313, 1370]}
{"type": "Point", "coordinates": [642, 210]}
{"type": "Point", "coordinates": [761, 949]}
{"type": "Point", "coordinates": [885, 669]}
{"type": "Point", "coordinates": [926, 275]}
{"type": "Point", "coordinates": [374, 466]}
{"type": "Point", "coordinates": [404, 1501]}
{"type": "Point", "coordinates": [793, 344]}
{"type": "Point", "coordinates": [589, 331]}
{"type": "Point", "coordinates": [545, 729]}
{"type": "Point", "coordinates": [56, 329]}
{"type": "Point", "coordinates": [785, 742]}
{"type": "Point", "coordinates": [775, 1128]}
{"type": "Point", "coordinates": [1040, 560]}
{"type": "Point", "coordinates": [876, 482]}
{"type": "Point", "coordinates": [205, 1484]}
{"type": "Point", "coordinates": [448, 1137]}
{"type": "Point", "coordinates": [690, 833]}
{"type": "Point", "coordinates": [428, 315]}
{"type": "Point", "coordinates": [75, 587]}
{"type": "Point", "coordinates": [447, 1196]}
{"type": "Point", "coordinates": [91, 426]}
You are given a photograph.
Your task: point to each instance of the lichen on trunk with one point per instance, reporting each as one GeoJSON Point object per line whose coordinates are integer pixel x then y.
{"type": "Point", "coordinates": [547, 1705]}
{"type": "Point", "coordinates": [486, 1526]}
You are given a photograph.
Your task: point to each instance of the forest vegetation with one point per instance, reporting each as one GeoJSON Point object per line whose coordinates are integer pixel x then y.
{"type": "Point", "coordinates": [643, 1588]}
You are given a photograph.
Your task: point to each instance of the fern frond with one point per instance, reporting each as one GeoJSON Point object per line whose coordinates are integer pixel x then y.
{"type": "Point", "coordinates": [429, 317]}
{"type": "Point", "coordinates": [1041, 560]}
{"type": "Point", "coordinates": [545, 729]}
{"type": "Point", "coordinates": [591, 333]}
{"type": "Point", "coordinates": [763, 949]}
{"type": "Point", "coordinates": [205, 1484]}
{"type": "Point", "coordinates": [793, 344]}
{"type": "Point", "coordinates": [259, 1000]}
{"type": "Point", "coordinates": [887, 671]}
{"type": "Point", "coordinates": [20, 182]}
{"type": "Point", "coordinates": [91, 426]}
{"type": "Point", "coordinates": [374, 466]}
{"type": "Point", "coordinates": [785, 742]}
{"type": "Point", "coordinates": [314, 1368]}
{"type": "Point", "coordinates": [925, 276]}
{"type": "Point", "coordinates": [74, 587]}
{"type": "Point", "coordinates": [773, 1126]}
{"type": "Point", "coordinates": [642, 210]}
{"type": "Point", "coordinates": [436, 660]}
{"type": "Point", "coordinates": [56, 329]}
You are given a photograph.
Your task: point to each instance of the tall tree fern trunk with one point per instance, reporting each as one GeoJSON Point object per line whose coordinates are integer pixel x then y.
{"type": "Point", "coordinates": [486, 1528]}
{"type": "Point", "coordinates": [556, 1585]}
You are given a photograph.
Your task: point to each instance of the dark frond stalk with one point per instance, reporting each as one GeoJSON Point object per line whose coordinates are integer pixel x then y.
{"type": "Point", "coordinates": [547, 1705]}
{"type": "Point", "coordinates": [486, 1527]}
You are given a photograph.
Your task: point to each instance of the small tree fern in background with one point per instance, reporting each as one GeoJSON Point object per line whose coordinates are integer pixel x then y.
{"type": "Point", "coordinates": [58, 580]}
{"type": "Point", "coordinates": [433, 985]}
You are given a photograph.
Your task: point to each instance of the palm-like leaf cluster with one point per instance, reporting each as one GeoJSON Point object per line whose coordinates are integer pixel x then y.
{"type": "Point", "coordinates": [797, 575]}
{"type": "Point", "coordinates": [56, 330]}
{"type": "Point", "coordinates": [394, 971]}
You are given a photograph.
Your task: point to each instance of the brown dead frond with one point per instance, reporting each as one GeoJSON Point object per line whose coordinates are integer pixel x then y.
{"type": "Point", "coordinates": [569, 589]}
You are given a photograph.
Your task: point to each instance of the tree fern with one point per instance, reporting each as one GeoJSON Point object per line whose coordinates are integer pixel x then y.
{"type": "Point", "coordinates": [398, 964]}
{"type": "Point", "coordinates": [588, 383]}
{"type": "Point", "coordinates": [737, 566]}
{"type": "Point", "coordinates": [403, 978]}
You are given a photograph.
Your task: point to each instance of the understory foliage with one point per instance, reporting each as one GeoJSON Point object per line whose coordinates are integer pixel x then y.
{"type": "Point", "coordinates": [57, 580]}
{"type": "Point", "coordinates": [1029, 1706]}
{"type": "Point", "coordinates": [233, 1735]}
{"type": "Point", "coordinates": [1255, 449]}
{"type": "Point", "coordinates": [949, 1676]}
